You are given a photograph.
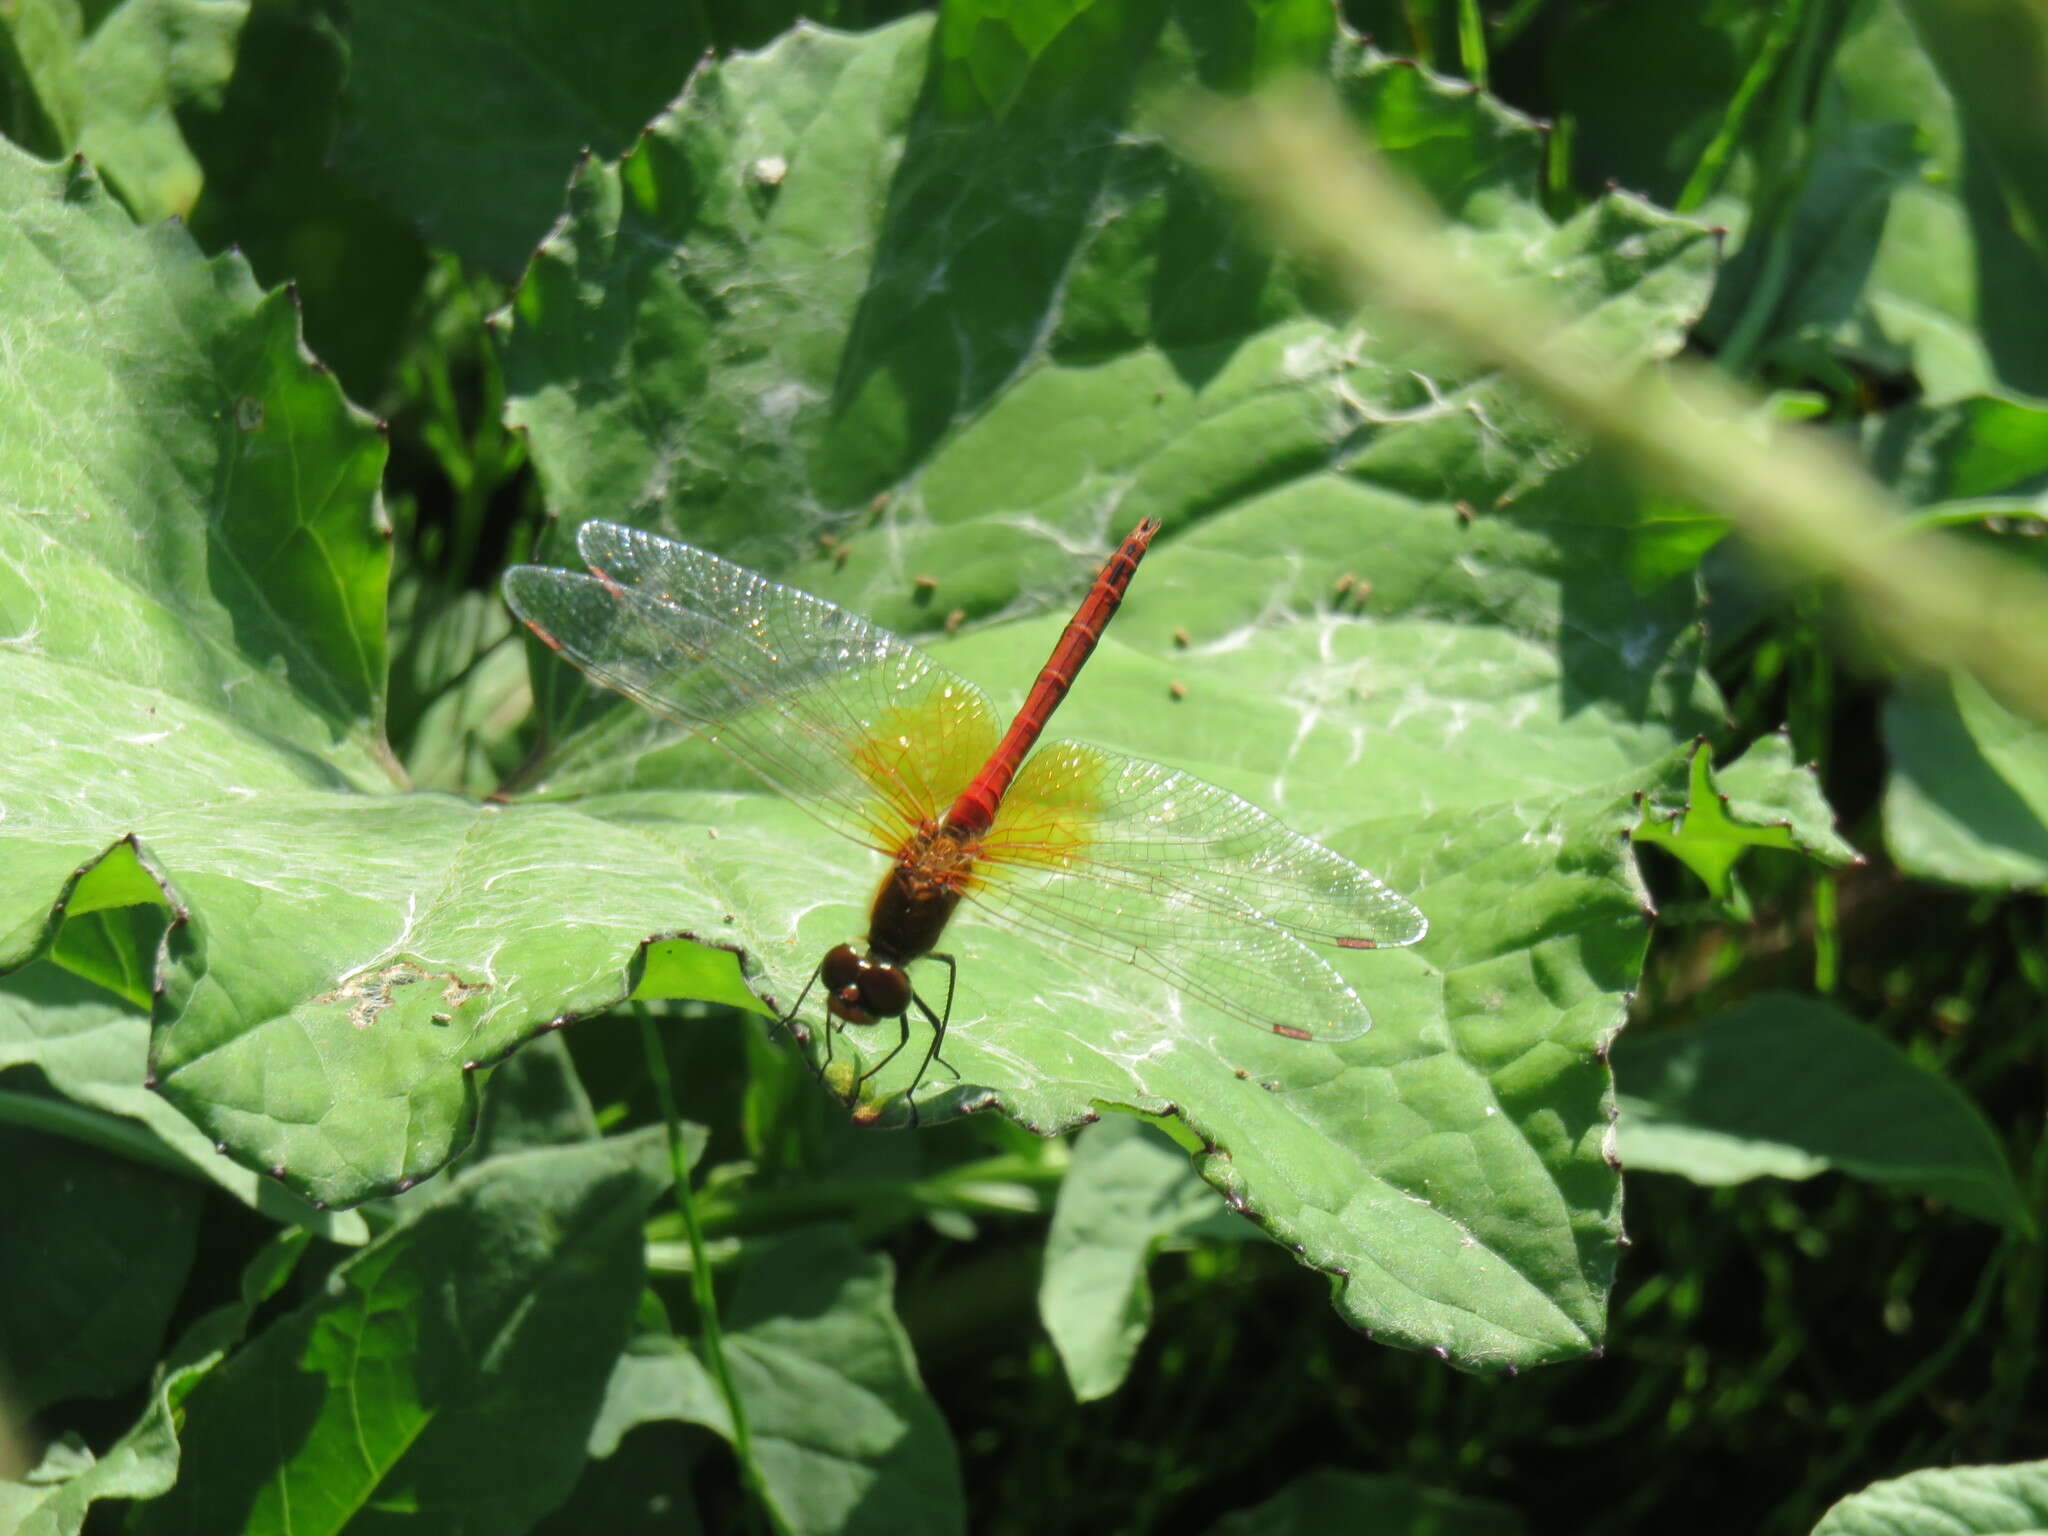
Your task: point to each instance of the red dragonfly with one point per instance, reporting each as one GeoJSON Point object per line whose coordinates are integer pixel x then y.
{"type": "Point", "coordinates": [1132, 859]}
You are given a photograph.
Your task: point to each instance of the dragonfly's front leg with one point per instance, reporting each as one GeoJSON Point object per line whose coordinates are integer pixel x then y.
{"type": "Point", "coordinates": [788, 1021]}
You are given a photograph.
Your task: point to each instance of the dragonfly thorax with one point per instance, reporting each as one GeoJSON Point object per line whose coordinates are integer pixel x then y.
{"type": "Point", "coordinates": [918, 894]}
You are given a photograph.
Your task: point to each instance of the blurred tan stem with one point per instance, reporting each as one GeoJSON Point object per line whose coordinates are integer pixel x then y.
{"type": "Point", "coordinates": [1292, 154]}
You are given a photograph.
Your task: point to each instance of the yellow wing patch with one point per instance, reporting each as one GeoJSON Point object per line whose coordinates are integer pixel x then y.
{"type": "Point", "coordinates": [1053, 807]}
{"type": "Point", "coordinates": [918, 754]}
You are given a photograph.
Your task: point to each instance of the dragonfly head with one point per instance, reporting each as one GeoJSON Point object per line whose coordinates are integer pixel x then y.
{"type": "Point", "coordinates": [861, 990]}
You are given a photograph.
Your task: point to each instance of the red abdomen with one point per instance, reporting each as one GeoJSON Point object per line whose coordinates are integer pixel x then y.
{"type": "Point", "coordinates": [975, 810]}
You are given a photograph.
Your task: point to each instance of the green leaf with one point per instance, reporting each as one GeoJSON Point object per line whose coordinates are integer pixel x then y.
{"type": "Point", "coordinates": [1127, 1190]}
{"type": "Point", "coordinates": [1994, 59]}
{"type": "Point", "coordinates": [41, 100]}
{"type": "Point", "coordinates": [1672, 538]}
{"type": "Point", "coordinates": [109, 86]}
{"type": "Point", "coordinates": [1330, 1500]}
{"type": "Point", "coordinates": [1982, 448]}
{"type": "Point", "coordinates": [1790, 1087]}
{"type": "Point", "coordinates": [54, 1498]}
{"type": "Point", "coordinates": [1967, 799]}
{"type": "Point", "coordinates": [1898, 248]}
{"type": "Point", "coordinates": [657, 1377]}
{"type": "Point", "coordinates": [1761, 800]}
{"type": "Point", "coordinates": [94, 1051]}
{"type": "Point", "coordinates": [680, 968]}
{"type": "Point", "coordinates": [971, 320]}
{"type": "Point", "coordinates": [183, 505]}
{"type": "Point", "coordinates": [274, 192]}
{"type": "Point", "coordinates": [97, 1249]}
{"type": "Point", "coordinates": [450, 1370]}
{"type": "Point", "coordinates": [1649, 86]}
{"type": "Point", "coordinates": [535, 1099]}
{"type": "Point", "coordinates": [844, 1436]}
{"type": "Point", "coordinates": [144, 60]}
{"type": "Point", "coordinates": [645, 1488]}
{"type": "Point", "coordinates": [192, 576]}
{"type": "Point", "coordinates": [460, 687]}
{"type": "Point", "coordinates": [467, 118]}
{"type": "Point", "coordinates": [1947, 1501]}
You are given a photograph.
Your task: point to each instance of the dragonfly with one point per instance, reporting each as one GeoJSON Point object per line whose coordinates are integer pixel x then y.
{"type": "Point", "coordinates": [1073, 844]}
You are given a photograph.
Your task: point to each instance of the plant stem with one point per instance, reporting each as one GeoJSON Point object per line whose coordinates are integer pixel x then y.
{"type": "Point", "coordinates": [1472, 42]}
{"type": "Point", "coordinates": [710, 1334]}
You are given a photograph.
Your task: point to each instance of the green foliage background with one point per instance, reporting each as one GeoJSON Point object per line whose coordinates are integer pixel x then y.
{"type": "Point", "coordinates": [367, 981]}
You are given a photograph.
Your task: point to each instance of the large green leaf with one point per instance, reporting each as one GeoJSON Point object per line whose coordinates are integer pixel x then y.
{"type": "Point", "coordinates": [845, 1438]}
{"type": "Point", "coordinates": [94, 1051]}
{"type": "Point", "coordinates": [1967, 796]}
{"type": "Point", "coordinates": [275, 192]}
{"type": "Point", "coordinates": [1947, 1501]}
{"type": "Point", "coordinates": [1967, 799]}
{"type": "Point", "coordinates": [1127, 1190]}
{"type": "Point", "coordinates": [468, 117]}
{"type": "Point", "coordinates": [452, 1368]}
{"type": "Point", "coordinates": [55, 1498]}
{"type": "Point", "coordinates": [944, 297]}
{"type": "Point", "coordinates": [192, 580]}
{"type": "Point", "coordinates": [96, 1252]}
{"type": "Point", "coordinates": [1790, 1087]}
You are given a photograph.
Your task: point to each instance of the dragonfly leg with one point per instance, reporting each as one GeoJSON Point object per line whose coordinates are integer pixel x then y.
{"type": "Point", "coordinates": [938, 1022]}
{"type": "Point", "coordinates": [787, 1021]}
{"type": "Point", "coordinates": [945, 1015]}
{"type": "Point", "coordinates": [895, 1050]}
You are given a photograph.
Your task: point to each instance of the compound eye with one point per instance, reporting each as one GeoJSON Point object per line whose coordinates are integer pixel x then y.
{"type": "Point", "coordinates": [841, 969]}
{"type": "Point", "coordinates": [884, 991]}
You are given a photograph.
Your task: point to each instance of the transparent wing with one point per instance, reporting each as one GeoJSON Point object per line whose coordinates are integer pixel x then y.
{"type": "Point", "coordinates": [858, 727]}
{"type": "Point", "coordinates": [1189, 882]}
